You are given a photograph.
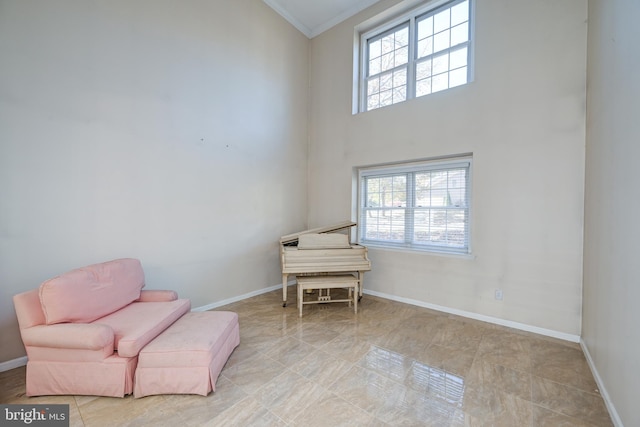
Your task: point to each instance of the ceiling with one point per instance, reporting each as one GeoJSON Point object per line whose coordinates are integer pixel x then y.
{"type": "Point", "coordinates": [313, 17]}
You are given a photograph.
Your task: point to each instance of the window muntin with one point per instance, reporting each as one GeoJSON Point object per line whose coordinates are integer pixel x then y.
{"type": "Point", "coordinates": [427, 52]}
{"type": "Point", "coordinates": [422, 206]}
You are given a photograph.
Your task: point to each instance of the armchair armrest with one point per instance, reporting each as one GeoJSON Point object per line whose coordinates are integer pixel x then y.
{"type": "Point", "coordinates": [86, 336]}
{"type": "Point", "coordinates": [152, 295]}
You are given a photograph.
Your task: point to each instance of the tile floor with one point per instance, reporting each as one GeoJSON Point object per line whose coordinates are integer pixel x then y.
{"type": "Point", "coordinates": [391, 364]}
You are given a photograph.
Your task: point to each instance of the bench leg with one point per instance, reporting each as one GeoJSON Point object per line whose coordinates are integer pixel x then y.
{"type": "Point", "coordinates": [355, 298]}
{"type": "Point", "coordinates": [284, 290]}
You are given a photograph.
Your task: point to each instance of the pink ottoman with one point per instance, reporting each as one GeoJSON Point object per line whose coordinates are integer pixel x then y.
{"type": "Point", "coordinates": [188, 356]}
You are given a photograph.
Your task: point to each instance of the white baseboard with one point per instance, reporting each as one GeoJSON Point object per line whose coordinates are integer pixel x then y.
{"type": "Point", "coordinates": [12, 364]}
{"type": "Point", "coordinates": [495, 320]}
{"type": "Point", "coordinates": [615, 418]}
{"type": "Point", "coordinates": [240, 297]}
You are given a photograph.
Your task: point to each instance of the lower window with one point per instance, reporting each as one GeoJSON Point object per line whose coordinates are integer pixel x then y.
{"type": "Point", "coordinates": [416, 205]}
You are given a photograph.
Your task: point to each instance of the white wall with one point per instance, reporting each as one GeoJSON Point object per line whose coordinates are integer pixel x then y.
{"type": "Point", "coordinates": [170, 131]}
{"type": "Point", "coordinates": [524, 120]}
{"type": "Point", "coordinates": [612, 204]}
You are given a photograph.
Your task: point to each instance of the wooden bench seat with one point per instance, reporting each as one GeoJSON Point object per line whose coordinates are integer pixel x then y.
{"type": "Point", "coordinates": [348, 281]}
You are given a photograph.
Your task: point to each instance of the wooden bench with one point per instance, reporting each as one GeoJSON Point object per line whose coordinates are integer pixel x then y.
{"type": "Point", "coordinates": [348, 281]}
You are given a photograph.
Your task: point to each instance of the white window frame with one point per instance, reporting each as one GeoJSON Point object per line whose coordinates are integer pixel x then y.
{"type": "Point", "coordinates": [410, 169]}
{"type": "Point", "coordinates": [411, 18]}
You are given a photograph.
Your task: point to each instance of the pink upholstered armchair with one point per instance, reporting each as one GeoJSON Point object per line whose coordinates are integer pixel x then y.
{"type": "Point", "coordinates": [82, 330]}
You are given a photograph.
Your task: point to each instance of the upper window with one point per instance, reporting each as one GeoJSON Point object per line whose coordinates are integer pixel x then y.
{"type": "Point", "coordinates": [425, 51]}
{"type": "Point", "coordinates": [421, 206]}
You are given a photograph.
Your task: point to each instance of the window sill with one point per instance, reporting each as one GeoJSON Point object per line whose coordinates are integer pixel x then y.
{"type": "Point", "coordinates": [374, 246]}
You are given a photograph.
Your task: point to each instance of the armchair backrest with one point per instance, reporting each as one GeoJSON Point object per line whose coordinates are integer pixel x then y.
{"type": "Point", "coordinates": [88, 293]}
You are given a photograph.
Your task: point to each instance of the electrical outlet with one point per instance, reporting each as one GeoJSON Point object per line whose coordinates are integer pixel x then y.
{"type": "Point", "coordinates": [499, 294]}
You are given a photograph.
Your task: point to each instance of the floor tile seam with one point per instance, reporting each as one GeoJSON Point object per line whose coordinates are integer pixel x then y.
{"type": "Point", "coordinates": [326, 392]}
{"type": "Point", "coordinates": [341, 335]}
{"type": "Point", "coordinates": [239, 388]}
{"type": "Point", "coordinates": [393, 380]}
{"type": "Point", "coordinates": [248, 396]}
{"type": "Point", "coordinates": [483, 356]}
{"type": "Point", "coordinates": [285, 422]}
{"type": "Point", "coordinates": [265, 355]}
{"type": "Point", "coordinates": [571, 417]}
{"type": "Point", "coordinates": [361, 363]}
{"type": "Point", "coordinates": [504, 366]}
{"type": "Point", "coordinates": [581, 369]}
{"type": "Point", "coordinates": [75, 399]}
{"type": "Point", "coordinates": [349, 366]}
{"type": "Point", "coordinates": [591, 393]}
{"type": "Point", "coordinates": [298, 343]}
{"type": "Point", "coordinates": [581, 417]}
{"type": "Point", "coordinates": [504, 391]}
{"type": "Point", "coordinates": [222, 373]}
{"type": "Point", "coordinates": [323, 391]}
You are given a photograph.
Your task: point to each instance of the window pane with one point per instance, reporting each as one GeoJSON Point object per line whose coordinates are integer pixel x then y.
{"type": "Point", "coordinates": [423, 87]}
{"type": "Point", "coordinates": [425, 28]}
{"type": "Point", "coordinates": [425, 47]}
{"type": "Point", "coordinates": [421, 229]}
{"type": "Point", "coordinates": [460, 34]}
{"type": "Point", "coordinates": [441, 41]}
{"type": "Point", "coordinates": [457, 197]}
{"type": "Point", "coordinates": [441, 21]}
{"type": "Point", "coordinates": [386, 81]}
{"type": "Point", "coordinates": [460, 13]}
{"type": "Point", "coordinates": [399, 191]}
{"type": "Point", "coordinates": [373, 85]}
{"type": "Point", "coordinates": [423, 189]}
{"type": "Point", "coordinates": [373, 101]}
{"type": "Point", "coordinates": [402, 56]}
{"type": "Point", "coordinates": [438, 225]}
{"type": "Point", "coordinates": [374, 66]}
{"type": "Point", "coordinates": [458, 58]}
{"type": "Point", "coordinates": [373, 186]}
{"type": "Point", "coordinates": [440, 82]}
{"type": "Point", "coordinates": [387, 191]}
{"type": "Point", "coordinates": [399, 94]}
{"type": "Point", "coordinates": [439, 179]}
{"type": "Point", "coordinates": [400, 77]}
{"type": "Point", "coordinates": [423, 69]}
{"type": "Point", "coordinates": [402, 37]}
{"type": "Point", "coordinates": [458, 77]}
{"type": "Point", "coordinates": [374, 49]}
{"type": "Point", "coordinates": [384, 216]}
{"type": "Point", "coordinates": [387, 61]}
{"type": "Point", "coordinates": [456, 178]}
{"type": "Point", "coordinates": [439, 197]}
{"type": "Point", "coordinates": [386, 98]}
{"type": "Point", "coordinates": [385, 224]}
{"type": "Point", "coordinates": [441, 63]}
{"type": "Point", "coordinates": [455, 234]}
{"type": "Point", "coordinates": [387, 44]}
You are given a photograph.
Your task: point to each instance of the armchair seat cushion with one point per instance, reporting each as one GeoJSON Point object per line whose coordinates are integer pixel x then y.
{"type": "Point", "coordinates": [135, 325]}
{"type": "Point", "coordinates": [188, 357]}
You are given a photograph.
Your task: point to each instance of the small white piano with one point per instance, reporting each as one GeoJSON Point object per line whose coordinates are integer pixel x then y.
{"type": "Point", "coordinates": [315, 252]}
